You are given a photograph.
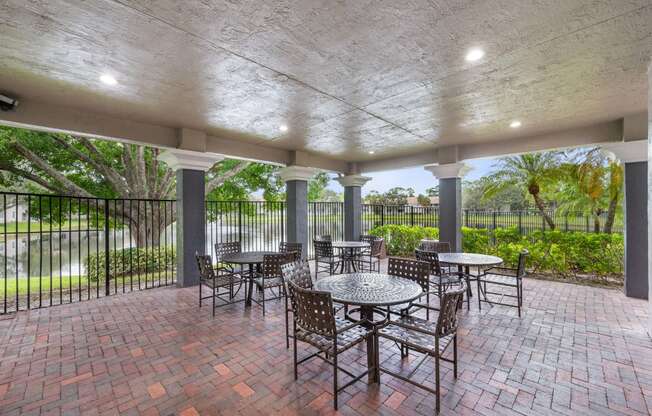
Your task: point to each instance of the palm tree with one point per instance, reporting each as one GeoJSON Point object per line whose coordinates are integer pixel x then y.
{"type": "Point", "coordinates": [593, 184]}
{"type": "Point", "coordinates": [531, 171]}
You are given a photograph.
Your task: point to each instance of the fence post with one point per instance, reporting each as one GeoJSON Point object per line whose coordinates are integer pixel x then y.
{"type": "Point", "coordinates": [520, 223]}
{"type": "Point", "coordinates": [107, 257]}
{"type": "Point", "coordinates": [240, 222]}
{"type": "Point", "coordinates": [382, 214]}
{"type": "Point", "coordinates": [411, 216]}
{"type": "Point", "coordinates": [466, 218]}
{"type": "Point", "coordinates": [566, 222]}
{"type": "Point", "coordinates": [493, 224]}
{"type": "Point", "coordinates": [543, 222]}
{"type": "Point", "coordinates": [588, 228]}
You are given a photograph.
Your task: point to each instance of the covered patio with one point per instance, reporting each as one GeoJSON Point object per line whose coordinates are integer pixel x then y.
{"type": "Point", "coordinates": [577, 350]}
{"type": "Point", "coordinates": [349, 89]}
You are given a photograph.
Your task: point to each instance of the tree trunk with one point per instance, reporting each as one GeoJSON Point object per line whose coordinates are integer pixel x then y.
{"type": "Point", "coordinates": [611, 214]}
{"type": "Point", "coordinates": [596, 223]}
{"type": "Point", "coordinates": [539, 203]}
{"type": "Point", "coordinates": [146, 220]}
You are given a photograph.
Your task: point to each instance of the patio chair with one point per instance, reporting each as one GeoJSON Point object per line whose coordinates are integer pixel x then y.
{"type": "Point", "coordinates": [429, 338]}
{"type": "Point", "coordinates": [315, 323]}
{"type": "Point", "coordinates": [369, 258]}
{"type": "Point", "coordinates": [222, 249]}
{"type": "Point", "coordinates": [438, 278]}
{"type": "Point", "coordinates": [437, 247]}
{"type": "Point", "coordinates": [270, 276]}
{"type": "Point", "coordinates": [299, 273]}
{"type": "Point", "coordinates": [219, 280]}
{"type": "Point", "coordinates": [325, 259]}
{"type": "Point", "coordinates": [417, 271]}
{"type": "Point", "coordinates": [286, 247]}
{"type": "Point", "coordinates": [504, 277]}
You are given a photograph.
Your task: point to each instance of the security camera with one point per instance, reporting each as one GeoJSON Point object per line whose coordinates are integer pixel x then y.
{"type": "Point", "coordinates": [7, 103]}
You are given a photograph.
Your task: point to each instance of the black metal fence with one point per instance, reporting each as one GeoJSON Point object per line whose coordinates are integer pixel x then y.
{"type": "Point", "coordinates": [525, 221]}
{"type": "Point", "coordinates": [260, 225]}
{"type": "Point", "coordinates": [59, 249]}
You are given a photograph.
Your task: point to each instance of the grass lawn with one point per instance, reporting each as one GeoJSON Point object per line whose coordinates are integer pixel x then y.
{"type": "Point", "coordinates": [35, 226]}
{"type": "Point", "coordinates": [73, 282]}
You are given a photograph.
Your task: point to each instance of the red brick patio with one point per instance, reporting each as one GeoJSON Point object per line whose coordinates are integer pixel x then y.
{"type": "Point", "coordinates": [576, 351]}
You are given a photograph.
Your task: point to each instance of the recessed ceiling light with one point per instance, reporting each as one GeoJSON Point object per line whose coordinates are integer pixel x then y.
{"type": "Point", "coordinates": [371, 152]}
{"type": "Point", "coordinates": [108, 79]}
{"type": "Point", "coordinates": [283, 128]}
{"type": "Point", "coordinates": [474, 54]}
{"type": "Point", "coordinates": [515, 124]}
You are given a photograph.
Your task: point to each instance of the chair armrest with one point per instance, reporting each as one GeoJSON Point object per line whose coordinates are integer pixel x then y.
{"type": "Point", "coordinates": [412, 328]}
{"type": "Point", "coordinates": [502, 271]}
{"type": "Point", "coordinates": [351, 325]}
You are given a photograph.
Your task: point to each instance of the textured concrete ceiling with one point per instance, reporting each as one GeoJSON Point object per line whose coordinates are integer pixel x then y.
{"type": "Point", "coordinates": [347, 77]}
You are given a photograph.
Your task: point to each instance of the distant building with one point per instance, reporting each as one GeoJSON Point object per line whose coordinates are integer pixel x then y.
{"type": "Point", "coordinates": [413, 201]}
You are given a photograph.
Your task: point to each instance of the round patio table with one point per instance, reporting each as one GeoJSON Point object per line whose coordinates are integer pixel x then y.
{"type": "Point", "coordinates": [253, 259]}
{"type": "Point", "coordinates": [369, 291]}
{"type": "Point", "coordinates": [349, 253]}
{"type": "Point", "coordinates": [465, 261]}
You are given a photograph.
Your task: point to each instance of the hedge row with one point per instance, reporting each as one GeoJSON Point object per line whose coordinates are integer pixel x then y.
{"type": "Point", "coordinates": [128, 261]}
{"type": "Point", "coordinates": [567, 254]}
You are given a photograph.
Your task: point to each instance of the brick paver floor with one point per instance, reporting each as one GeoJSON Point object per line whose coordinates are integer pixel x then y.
{"type": "Point", "coordinates": [576, 351]}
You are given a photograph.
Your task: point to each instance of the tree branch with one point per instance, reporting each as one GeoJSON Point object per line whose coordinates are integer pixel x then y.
{"type": "Point", "coordinates": [97, 161]}
{"type": "Point", "coordinates": [66, 183]}
{"type": "Point", "coordinates": [219, 180]}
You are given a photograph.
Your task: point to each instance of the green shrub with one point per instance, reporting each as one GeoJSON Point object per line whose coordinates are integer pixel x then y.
{"type": "Point", "coordinates": [556, 252]}
{"type": "Point", "coordinates": [129, 261]}
{"type": "Point", "coordinates": [401, 240]}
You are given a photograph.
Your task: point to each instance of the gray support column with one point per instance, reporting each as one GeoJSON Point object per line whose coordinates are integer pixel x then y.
{"type": "Point", "coordinates": [450, 202]}
{"type": "Point", "coordinates": [191, 225]}
{"type": "Point", "coordinates": [352, 205]}
{"type": "Point", "coordinates": [297, 213]}
{"type": "Point", "coordinates": [636, 223]}
{"type": "Point", "coordinates": [296, 197]}
{"type": "Point", "coordinates": [633, 154]}
{"type": "Point", "coordinates": [190, 167]}
{"type": "Point", "coordinates": [450, 212]}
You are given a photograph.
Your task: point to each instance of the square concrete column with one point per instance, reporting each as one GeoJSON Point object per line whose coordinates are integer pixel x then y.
{"type": "Point", "coordinates": [191, 169]}
{"type": "Point", "coordinates": [450, 202]}
{"type": "Point", "coordinates": [633, 154]}
{"type": "Point", "coordinates": [353, 205]}
{"type": "Point", "coordinates": [296, 197]}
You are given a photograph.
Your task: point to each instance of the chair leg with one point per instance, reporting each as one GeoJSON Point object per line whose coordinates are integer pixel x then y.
{"type": "Point", "coordinates": [437, 387]}
{"type": "Point", "coordinates": [428, 303]}
{"type": "Point", "coordinates": [200, 293]}
{"type": "Point", "coordinates": [294, 345]}
{"type": "Point", "coordinates": [479, 291]}
{"type": "Point", "coordinates": [287, 324]}
{"type": "Point", "coordinates": [214, 301]}
{"type": "Point", "coordinates": [455, 355]}
{"type": "Point", "coordinates": [335, 380]}
{"type": "Point", "coordinates": [262, 290]}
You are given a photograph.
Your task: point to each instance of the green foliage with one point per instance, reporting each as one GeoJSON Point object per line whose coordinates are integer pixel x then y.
{"type": "Point", "coordinates": [566, 254]}
{"type": "Point", "coordinates": [401, 240]}
{"type": "Point", "coordinates": [129, 261]}
{"type": "Point", "coordinates": [395, 196]}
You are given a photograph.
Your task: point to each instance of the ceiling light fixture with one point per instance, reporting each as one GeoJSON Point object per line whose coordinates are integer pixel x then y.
{"type": "Point", "coordinates": [474, 54]}
{"type": "Point", "coordinates": [371, 152]}
{"type": "Point", "coordinates": [283, 128]}
{"type": "Point", "coordinates": [108, 79]}
{"type": "Point", "coordinates": [515, 124]}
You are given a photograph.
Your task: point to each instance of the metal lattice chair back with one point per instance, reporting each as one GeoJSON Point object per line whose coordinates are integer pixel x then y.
{"type": "Point", "coordinates": [431, 257]}
{"type": "Point", "coordinates": [297, 272]}
{"type": "Point", "coordinates": [450, 303]}
{"type": "Point", "coordinates": [286, 247]}
{"type": "Point", "coordinates": [205, 265]}
{"type": "Point", "coordinates": [323, 248]}
{"type": "Point", "coordinates": [272, 263]}
{"type": "Point", "coordinates": [415, 270]}
{"type": "Point", "coordinates": [376, 246]}
{"type": "Point", "coordinates": [226, 248]}
{"type": "Point", "coordinates": [436, 246]}
{"type": "Point", "coordinates": [522, 257]}
{"type": "Point", "coordinates": [368, 238]}
{"type": "Point", "coordinates": [324, 237]}
{"type": "Point", "coordinates": [313, 310]}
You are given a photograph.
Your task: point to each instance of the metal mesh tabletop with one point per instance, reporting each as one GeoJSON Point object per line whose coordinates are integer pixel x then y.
{"type": "Point", "coordinates": [249, 257]}
{"type": "Point", "coordinates": [369, 289]}
{"type": "Point", "coordinates": [470, 259]}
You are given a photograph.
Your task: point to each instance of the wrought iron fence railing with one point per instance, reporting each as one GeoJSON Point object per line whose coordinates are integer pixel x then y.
{"type": "Point", "coordinates": [59, 249]}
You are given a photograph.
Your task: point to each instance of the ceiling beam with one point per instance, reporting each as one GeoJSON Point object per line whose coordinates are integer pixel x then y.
{"type": "Point", "coordinates": [612, 131]}
{"type": "Point", "coordinates": [56, 118]}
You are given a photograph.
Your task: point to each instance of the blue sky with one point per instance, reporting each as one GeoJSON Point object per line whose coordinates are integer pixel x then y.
{"type": "Point", "coordinates": [417, 178]}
